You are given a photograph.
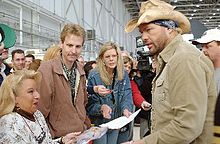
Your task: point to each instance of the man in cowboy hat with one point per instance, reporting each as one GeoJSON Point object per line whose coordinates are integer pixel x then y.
{"type": "Point", "coordinates": [183, 93]}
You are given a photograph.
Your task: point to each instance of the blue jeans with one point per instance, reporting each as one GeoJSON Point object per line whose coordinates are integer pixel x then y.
{"type": "Point", "coordinates": [110, 137]}
{"type": "Point", "coordinates": [126, 135]}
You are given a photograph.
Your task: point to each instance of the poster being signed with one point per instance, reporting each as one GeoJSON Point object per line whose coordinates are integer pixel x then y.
{"type": "Point", "coordinates": [120, 122]}
{"type": "Point", "coordinates": [98, 132]}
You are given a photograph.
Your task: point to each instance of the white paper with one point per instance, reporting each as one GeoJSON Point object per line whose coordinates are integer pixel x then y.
{"type": "Point", "coordinates": [120, 122]}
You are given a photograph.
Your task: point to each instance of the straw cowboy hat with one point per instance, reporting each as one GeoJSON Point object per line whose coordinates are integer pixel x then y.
{"type": "Point", "coordinates": [152, 10]}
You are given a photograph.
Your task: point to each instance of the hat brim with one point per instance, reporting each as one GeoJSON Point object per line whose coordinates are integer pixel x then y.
{"type": "Point", "coordinates": [9, 36]}
{"type": "Point", "coordinates": [204, 40]}
{"type": "Point", "coordinates": [152, 15]}
{"type": "Point", "coordinates": [200, 41]}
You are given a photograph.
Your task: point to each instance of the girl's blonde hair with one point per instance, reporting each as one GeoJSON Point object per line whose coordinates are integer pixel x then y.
{"type": "Point", "coordinates": [10, 88]}
{"type": "Point", "coordinates": [106, 78]}
{"type": "Point", "coordinates": [52, 53]}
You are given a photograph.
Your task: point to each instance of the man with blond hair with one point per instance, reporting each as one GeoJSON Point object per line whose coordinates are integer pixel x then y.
{"type": "Point", "coordinates": [62, 90]}
{"type": "Point", "coordinates": [184, 92]}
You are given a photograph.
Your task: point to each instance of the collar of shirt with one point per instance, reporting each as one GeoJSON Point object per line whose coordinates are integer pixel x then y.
{"type": "Point", "coordinates": [169, 50]}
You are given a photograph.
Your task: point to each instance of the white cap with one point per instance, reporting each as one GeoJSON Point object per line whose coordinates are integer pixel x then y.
{"type": "Point", "coordinates": [208, 36]}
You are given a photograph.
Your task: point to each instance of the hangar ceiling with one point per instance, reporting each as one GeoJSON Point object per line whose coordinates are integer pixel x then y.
{"type": "Point", "coordinates": [206, 11]}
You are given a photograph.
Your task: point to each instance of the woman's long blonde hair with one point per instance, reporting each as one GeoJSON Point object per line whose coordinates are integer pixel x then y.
{"type": "Point", "coordinates": [10, 87]}
{"type": "Point", "coordinates": [52, 52]}
{"type": "Point", "coordinates": [106, 78]}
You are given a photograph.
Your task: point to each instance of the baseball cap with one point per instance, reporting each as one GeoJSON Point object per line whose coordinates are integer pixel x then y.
{"type": "Point", "coordinates": [208, 36]}
{"type": "Point", "coordinates": [7, 36]}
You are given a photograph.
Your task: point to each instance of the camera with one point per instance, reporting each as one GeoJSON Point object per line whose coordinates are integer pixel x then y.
{"type": "Point", "coordinates": [143, 55]}
{"type": "Point", "coordinates": [143, 61]}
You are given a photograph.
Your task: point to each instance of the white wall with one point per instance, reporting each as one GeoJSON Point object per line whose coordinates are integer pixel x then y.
{"type": "Point", "coordinates": [107, 17]}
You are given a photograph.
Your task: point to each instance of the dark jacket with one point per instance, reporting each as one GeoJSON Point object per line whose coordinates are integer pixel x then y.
{"type": "Point", "coordinates": [217, 122]}
{"type": "Point", "coordinates": [6, 71]}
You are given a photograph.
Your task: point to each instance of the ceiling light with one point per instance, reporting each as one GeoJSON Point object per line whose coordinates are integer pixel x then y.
{"type": "Point", "coordinates": [217, 9]}
{"type": "Point", "coordinates": [210, 17]}
{"type": "Point", "coordinates": [213, 14]}
{"type": "Point", "coordinates": [200, 0]}
{"type": "Point", "coordinates": [207, 20]}
{"type": "Point", "coordinates": [204, 23]}
{"type": "Point", "coordinates": [194, 10]}
{"type": "Point", "coordinates": [197, 5]}
{"type": "Point", "coordinates": [192, 14]}
{"type": "Point", "coordinates": [175, 1]}
{"type": "Point", "coordinates": [218, 25]}
{"type": "Point", "coordinates": [190, 17]}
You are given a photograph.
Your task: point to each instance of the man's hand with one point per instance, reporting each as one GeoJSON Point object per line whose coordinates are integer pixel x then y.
{"type": "Point", "coordinates": [145, 106]}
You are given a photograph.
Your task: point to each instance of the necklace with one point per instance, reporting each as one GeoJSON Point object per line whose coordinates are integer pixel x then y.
{"type": "Point", "coordinates": [42, 135]}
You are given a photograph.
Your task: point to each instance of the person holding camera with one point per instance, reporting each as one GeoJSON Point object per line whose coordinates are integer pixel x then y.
{"type": "Point", "coordinates": [126, 133]}
{"type": "Point", "coordinates": [145, 73]}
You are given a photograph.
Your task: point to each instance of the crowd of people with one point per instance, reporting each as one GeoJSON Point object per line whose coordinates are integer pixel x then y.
{"type": "Point", "coordinates": [56, 99]}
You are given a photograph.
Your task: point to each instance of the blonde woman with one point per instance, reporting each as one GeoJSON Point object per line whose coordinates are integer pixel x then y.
{"type": "Point", "coordinates": [20, 121]}
{"type": "Point", "coordinates": [52, 52]}
{"type": "Point", "coordinates": [118, 101]}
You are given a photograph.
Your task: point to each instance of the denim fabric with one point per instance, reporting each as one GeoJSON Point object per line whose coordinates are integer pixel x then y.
{"type": "Point", "coordinates": [109, 138]}
{"type": "Point", "coordinates": [122, 95]}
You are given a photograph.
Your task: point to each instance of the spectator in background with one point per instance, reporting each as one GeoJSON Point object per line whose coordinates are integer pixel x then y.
{"type": "Point", "coordinates": [210, 42]}
{"type": "Point", "coordinates": [4, 53]}
{"type": "Point", "coordinates": [62, 89]}
{"type": "Point", "coordinates": [144, 80]}
{"type": "Point", "coordinates": [136, 95]}
{"type": "Point", "coordinates": [4, 67]}
{"type": "Point", "coordinates": [7, 40]}
{"type": "Point", "coordinates": [20, 121]}
{"type": "Point", "coordinates": [89, 66]}
{"type": "Point", "coordinates": [118, 101]}
{"type": "Point", "coordinates": [126, 132]}
{"type": "Point", "coordinates": [29, 58]}
{"type": "Point", "coordinates": [125, 53]}
{"type": "Point", "coordinates": [81, 60]}
{"type": "Point", "coordinates": [52, 53]}
{"type": "Point", "coordinates": [18, 60]}
{"type": "Point", "coordinates": [184, 92]}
